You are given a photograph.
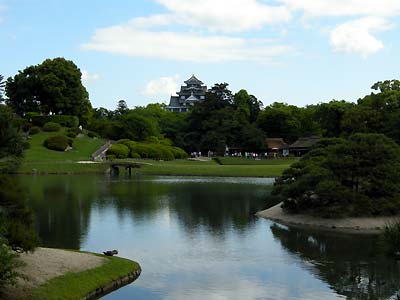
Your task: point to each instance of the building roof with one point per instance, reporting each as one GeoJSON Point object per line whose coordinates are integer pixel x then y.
{"type": "Point", "coordinates": [305, 142]}
{"type": "Point", "coordinates": [275, 143]}
{"type": "Point", "coordinates": [193, 80]}
{"type": "Point", "coordinates": [174, 101]}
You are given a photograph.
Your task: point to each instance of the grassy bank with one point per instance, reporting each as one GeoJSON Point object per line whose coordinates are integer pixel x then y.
{"type": "Point", "coordinates": [211, 168]}
{"type": "Point", "coordinates": [77, 285]}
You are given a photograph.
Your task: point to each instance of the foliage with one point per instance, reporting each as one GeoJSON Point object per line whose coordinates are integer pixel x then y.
{"type": "Point", "coordinates": [358, 176]}
{"type": "Point", "coordinates": [11, 142]}
{"type": "Point", "coordinates": [63, 120]}
{"type": "Point", "coordinates": [152, 150]}
{"type": "Point", "coordinates": [71, 133]}
{"type": "Point", "coordinates": [53, 86]}
{"type": "Point", "coordinates": [51, 127]}
{"type": "Point", "coordinates": [118, 150]}
{"type": "Point", "coordinates": [8, 265]}
{"type": "Point", "coordinates": [2, 84]}
{"type": "Point", "coordinates": [224, 120]}
{"type": "Point", "coordinates": [92, 134]}
{"type": "Point", "coordinates": [391, 239]}
{"type": "Point", "coordinates": [57, 143]}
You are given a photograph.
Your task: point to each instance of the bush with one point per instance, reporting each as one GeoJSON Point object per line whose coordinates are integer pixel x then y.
{"type": "Point", "coordinates": [34, 130]}
{"type": "Point", "coordinates": [119, 150]}
{"type": "Point", "coordinates": [51, 127]}
{"type": "Point", "coordinates": [339, 177]}
{"type": "Point", "coordinates": [70, 141]}
{"type": "Point", "coordinates": [57, 143]}
{"type": "Point", "coordinates": [8, 265]}
{"type": "Point", "coordinates": [71, 133]}
{"type": "Point", "coordinates": [179, 153]}
{"type": "Point", "coordinates": [92, 134]}
{"type": "Point", "coordinates": [66, 121]}
{"type": "Point", "coordinates": [391, 239]}
{"type": "Point", "coordinates": [134, 155]}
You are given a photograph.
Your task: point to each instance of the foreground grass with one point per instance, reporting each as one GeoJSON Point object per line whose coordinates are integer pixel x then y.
{"type": "Point", "coordinates": [73, 286]}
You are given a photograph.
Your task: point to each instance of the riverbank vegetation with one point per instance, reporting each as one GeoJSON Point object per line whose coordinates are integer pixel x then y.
{"type": "Point", "coordinates": [79, 285]}
{"type": "Point", "coordinates": [16, 221]}
{"type": "Point", "coordinates": [357, 176]}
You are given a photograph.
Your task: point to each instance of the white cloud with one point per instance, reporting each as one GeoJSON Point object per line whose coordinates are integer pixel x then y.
{"type": "Point", "coordinates": [187, 46]}
{"type": "Point", "coordinates": [356, 36]}
{"type": "Point", "coordinates": [89, 77]}
{"type": "Point", "coordinates": [319, 8]}
{"type": "Point", "coordinates": [162, 86]}
{"type": "Point", "coordinates": [222, 15]}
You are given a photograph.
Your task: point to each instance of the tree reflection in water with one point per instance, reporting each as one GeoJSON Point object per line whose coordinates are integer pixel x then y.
{"type": "Point", "coordinates": [351, 266]}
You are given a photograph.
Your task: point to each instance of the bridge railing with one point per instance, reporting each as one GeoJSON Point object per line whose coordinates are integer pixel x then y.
{"type": "Point", "coordinates": [102, 150]}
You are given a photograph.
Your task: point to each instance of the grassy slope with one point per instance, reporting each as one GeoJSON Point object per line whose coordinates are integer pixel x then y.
{"type": "Point", "coordinates": [45, 160]}
{"type": "Point", "coordinates": [77, 285]}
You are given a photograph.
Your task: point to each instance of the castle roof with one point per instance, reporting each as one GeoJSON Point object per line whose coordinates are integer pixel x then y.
{"type": "Point", "coordinates": [193, 80]}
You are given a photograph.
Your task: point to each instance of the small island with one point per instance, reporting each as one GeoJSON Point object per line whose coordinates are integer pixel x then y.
{"type": "Point", "coordinates": [343, 184]}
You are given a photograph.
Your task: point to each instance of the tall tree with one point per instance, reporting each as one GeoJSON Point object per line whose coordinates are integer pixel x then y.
{"type": "Point", "coordinates": [122, 107]}
{"type": "Point", "coordinates": [52, 86]}
{"type": "Point", "coordinates": [2, 84]}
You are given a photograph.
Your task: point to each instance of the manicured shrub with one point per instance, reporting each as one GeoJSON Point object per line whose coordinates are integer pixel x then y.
{"type": "Point", "coordinates": [92, 134]}
{"type": "Point", "coordinates": [70, 141]}
{"type": "Point", "coordinates": [178, 153]}
{"type": "Point", "coordinates": [134, 155]}
{"type": "Point", "coordinates": [34, 130]}
{"type": "Point", "coordinates": [51, 127]}
{"type": "Point", "coordinates": [119, 150]}
{"type": "Point", "coordinates": [71, 133]}
{"type": "Point", "coordinates": [66, 121]}
{"type": "Point", "coordinates": [57, 143]}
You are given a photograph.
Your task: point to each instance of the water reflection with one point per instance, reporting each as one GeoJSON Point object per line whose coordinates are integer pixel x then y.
{"type": "Point", "coordinates": [350, 264]}
{"type": "Point", "coordinates": [197, 238]}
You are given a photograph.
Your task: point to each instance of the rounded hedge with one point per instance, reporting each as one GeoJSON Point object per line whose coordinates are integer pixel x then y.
{"type": "Point", "coordinates": [71, 133]}
{"type": "Point", "coordinates": [57, 143]}
{"type": "Point", "coordinates": [34, 130]}
{"type": "Point", "coordinates": [93, 134]}
{"type": "Point", "coordinates": [118, 150]}
{"type": "Point", "coordinates": [134, 155]}
{"type": "Point", "coordinates": [51, 127]}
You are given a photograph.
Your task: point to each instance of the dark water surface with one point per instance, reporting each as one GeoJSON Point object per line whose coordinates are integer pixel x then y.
{"type": "Point", "coordinates": [197, 238]}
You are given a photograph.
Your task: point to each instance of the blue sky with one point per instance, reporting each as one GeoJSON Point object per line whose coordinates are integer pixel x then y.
{"type": "Point", "coordinates": [296, 51]}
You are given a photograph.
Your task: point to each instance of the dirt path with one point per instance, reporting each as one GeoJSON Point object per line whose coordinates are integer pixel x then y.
{"type": "Point", "coordinates": [361, 225]}
{"type": "Point", "coordinates": [45, 264]}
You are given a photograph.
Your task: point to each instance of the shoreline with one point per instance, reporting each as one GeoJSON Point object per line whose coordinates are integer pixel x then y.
{"type": "Point", "coordinates": [67, 274]}
{"type": "Point", "coordinates": [361, 225]}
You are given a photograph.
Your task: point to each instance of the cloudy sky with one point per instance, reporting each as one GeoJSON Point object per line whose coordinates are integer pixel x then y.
{"type": "Point", "coordinates": [296, 51]}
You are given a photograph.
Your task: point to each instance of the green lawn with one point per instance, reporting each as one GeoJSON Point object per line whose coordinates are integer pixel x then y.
{"type": "Point", "coordinates": [44, 160]}
{"type": "Point", "coordinates": [73, 286]}
{"type": "Point", "coordinates": [211, 168]}
{"type": "Point", "coordinates": [83, 148]}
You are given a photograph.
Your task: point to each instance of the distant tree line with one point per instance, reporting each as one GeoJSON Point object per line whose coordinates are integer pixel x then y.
{"type": "Point", "coordinates": [224, 119]}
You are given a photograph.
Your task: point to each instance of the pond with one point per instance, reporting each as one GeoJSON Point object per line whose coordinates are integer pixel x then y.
{"type": "Point", "coordinates": [198, 238]}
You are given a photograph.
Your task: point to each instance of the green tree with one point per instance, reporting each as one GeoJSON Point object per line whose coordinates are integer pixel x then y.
{"type": "Point", "coordinates": [52, 86]}
{"type": "Point", "coordinates": [2, 84]}
{"type": "Point", "coordinates": [280, 120]}
{"type": "Point", "coordinates": [358, 176]}
{"type": "Point", "coordinates": [11, 142]}
{"type": "Point", "coordinates": [122, 107]}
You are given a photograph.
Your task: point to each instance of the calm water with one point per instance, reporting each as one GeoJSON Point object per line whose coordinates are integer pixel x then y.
{"type": "Point", "coordinates": [197, 238]}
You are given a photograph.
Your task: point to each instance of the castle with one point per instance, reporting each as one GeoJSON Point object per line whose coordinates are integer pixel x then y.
{"type": "Point", "coordinates": [193, 92]}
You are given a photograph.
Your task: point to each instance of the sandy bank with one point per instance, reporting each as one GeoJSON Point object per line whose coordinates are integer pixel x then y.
{"type": "Point", "coordinates": [357, 225]}
{"type": "Point", "coordinates": [45, 264]}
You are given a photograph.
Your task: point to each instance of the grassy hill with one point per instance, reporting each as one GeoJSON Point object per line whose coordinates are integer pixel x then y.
{"type": "Point", "coordinates": [44, 160]}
